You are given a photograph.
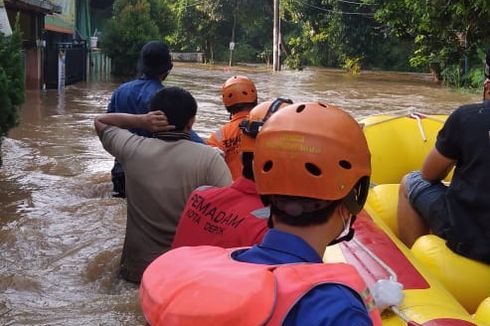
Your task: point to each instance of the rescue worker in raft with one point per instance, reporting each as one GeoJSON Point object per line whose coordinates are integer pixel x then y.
{"type": "Point", "coordinates": [239, 97]}
{"type": "Point", "coordinates": [312, 166]}
{"type": "Point", "coordinates": [232, 216]}
{"type": "Point", "coordinates": [458, 213]}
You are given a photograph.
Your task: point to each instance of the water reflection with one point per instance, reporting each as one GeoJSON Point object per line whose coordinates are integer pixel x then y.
{"type": "Point", "coordinates": [60, 232]}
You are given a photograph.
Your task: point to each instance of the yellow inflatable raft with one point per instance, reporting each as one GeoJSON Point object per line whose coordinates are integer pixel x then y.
{"type": "Point", "coordinates": [467, 280]}
{"type": "Point", "coordinates": [398, 145]}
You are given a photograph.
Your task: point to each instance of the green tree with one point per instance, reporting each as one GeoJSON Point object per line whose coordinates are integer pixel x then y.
{"type": "Point", "coordinates": [12, 92]}
{"type": "Point", "coordinates": [444, 32]}
{"type": "Point", "coordinates": [206, 26]}
{"type": "Point", "coordinates": [202, 26]}
{"type": "Point", "coordinates": [332, 33]}
{"type": "Point", "coordinates": [134, 23]}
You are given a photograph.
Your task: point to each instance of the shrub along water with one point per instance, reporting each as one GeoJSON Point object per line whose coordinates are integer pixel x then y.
{"type": "Point", "coordinates": [11, 80]}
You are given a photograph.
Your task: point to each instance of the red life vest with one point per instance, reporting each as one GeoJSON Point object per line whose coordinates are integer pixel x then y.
{"type": "Point", "coordinates": [226, 217]}
{"type": "Point", "coordinates": [204, 286]}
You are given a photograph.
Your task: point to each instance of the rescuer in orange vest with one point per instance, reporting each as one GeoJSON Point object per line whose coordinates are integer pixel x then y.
{"type": "Point", "coordinates": [312, 167]}
{"type": "Point", "coordinates": [239, 97]}
{"type": "Point", "coordinates": [232, 216]}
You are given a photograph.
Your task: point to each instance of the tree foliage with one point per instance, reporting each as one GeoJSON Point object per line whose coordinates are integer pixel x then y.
{"type": "Point", "coordinates": [206, 26]}
{"type": "Point", "coordinates": [11, 80]}
{"type": "Point", "coordinates": [407, 35]}
{"type": "Point", "coordinates": [444, 32]}
{"type": "Point", "coordinates": [134, 22]}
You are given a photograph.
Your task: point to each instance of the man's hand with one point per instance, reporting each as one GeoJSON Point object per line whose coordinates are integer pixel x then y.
{"type": "Point", "coordinates": [153, 121]}
{"type": "Point", "coordinates": [156, 121]}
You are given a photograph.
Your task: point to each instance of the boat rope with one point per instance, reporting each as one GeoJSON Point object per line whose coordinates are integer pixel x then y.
{"type": "Point", "coordinates": [417, 117]}
{"type": "Point", "coordinates": [403, 316]}
{"type": "Point", "coordinates": [414, 115]}
{"type": "Point", "coordinates": [397, 112]}
{"type": "Point", "coordinates": [388, 118]}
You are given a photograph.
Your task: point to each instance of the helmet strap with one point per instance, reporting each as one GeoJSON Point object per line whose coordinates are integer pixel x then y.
{"type": "Point", "coordinates": [356, 198]}
{"type": "Point", "coordinates": [348, 236]}
{"type": "Point", "coordinates": [275, 105]}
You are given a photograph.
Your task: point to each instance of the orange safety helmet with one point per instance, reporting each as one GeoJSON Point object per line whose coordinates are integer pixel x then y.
{"type": "Point", "coordinates": [238, 90]}
{"type": "Point", "coordinates": [251, 125]}
{"type": "Point", "coordinates": [313, 150]}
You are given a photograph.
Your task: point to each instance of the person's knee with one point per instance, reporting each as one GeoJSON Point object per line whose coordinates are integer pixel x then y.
{"type": "Point", "coordinates": [403, 191]}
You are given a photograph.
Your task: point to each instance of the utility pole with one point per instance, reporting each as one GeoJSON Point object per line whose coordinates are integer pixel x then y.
{"type": "Point", "coordinates": [232, 43]}
{"type": "Point", "coordinates": [276, 64]}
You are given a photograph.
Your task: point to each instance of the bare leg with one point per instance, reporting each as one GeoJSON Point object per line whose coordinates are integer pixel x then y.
{"type": "Point", "coordinates": [411, 226]}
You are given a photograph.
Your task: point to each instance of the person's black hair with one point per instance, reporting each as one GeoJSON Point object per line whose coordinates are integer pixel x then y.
{"type": "Point", "coordinates": [178, 105]}
{"type": "Point", "coordinates": [247, 161]}
{"type": "Point", "coordinates": [154, 60]}
{"type": "Point", "coordinates": [316, 217]}
{"type": "Point", "coordinates": [232, 109]}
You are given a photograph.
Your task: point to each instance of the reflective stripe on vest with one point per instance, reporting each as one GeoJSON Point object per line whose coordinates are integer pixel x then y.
{"type": "Point", "coordinates": [218, 135]}
{"type": "Point", "coordinates": [205, 286]}
{"type": "Point", "coordinates": [262, 213]}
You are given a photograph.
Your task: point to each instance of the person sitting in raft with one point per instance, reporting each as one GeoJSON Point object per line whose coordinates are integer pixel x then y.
{"type": "Point", "coordinates": [239, 97]}
{"type": "Point", "coordinates": [154, 65]}
{"type": "Point", "coordinates": [161, 172]}
{"type": "Point", "coordinates": [460, 212]}
{"type": "Point", "coordinates": [312, 166]}
{"type": "Point", "coordinates": [232, 216]}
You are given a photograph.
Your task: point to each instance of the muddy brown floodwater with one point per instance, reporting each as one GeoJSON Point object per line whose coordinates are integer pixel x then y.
{"type": "Point", "coordinates": [61, 233]}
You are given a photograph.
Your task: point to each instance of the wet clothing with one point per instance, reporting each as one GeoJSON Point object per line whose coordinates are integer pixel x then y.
{"type": "Point", "coordinates": [304, 292]}
{"type": "Point", "coordinates": [227, 138]}
{"type": "Point", "coordinates": [226, 217]}
{"type": "Point", "coordinates": [465, 137]}
{"type": "Point", "coordinates": [134, 97]}
{"type": "Point", "coordinates": [160, 175]}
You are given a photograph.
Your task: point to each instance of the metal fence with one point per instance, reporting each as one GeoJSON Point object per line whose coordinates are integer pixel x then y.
{"type": "Point", "coordinates": [75, 63]}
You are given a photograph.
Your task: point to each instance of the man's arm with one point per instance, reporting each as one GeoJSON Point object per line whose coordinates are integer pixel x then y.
{"type": "Point", "coordinates": [154, 121]}
{"type": "Point", "coordinates": [436, 166]}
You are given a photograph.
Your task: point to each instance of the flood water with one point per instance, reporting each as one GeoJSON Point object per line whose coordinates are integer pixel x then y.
{"type": "Point", "coordinates": [61, 233]}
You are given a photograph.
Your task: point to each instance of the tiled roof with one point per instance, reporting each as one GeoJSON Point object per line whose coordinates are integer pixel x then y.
{"type": "Point", "coordinates": [44, 6]}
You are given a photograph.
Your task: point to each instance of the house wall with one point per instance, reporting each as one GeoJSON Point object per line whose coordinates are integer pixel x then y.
{"type": "Point", "coordinates": [30, 23]}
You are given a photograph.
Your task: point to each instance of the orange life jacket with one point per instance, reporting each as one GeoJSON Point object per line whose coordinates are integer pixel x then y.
{"type": "Point", "coordinates": [205, 286]}
{"type": "Point", "coordinates": [228, 139]}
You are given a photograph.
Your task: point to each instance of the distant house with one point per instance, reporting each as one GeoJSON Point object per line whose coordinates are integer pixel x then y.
{"type": "Point", "coordinates": [73, 33]}
{"type": "Point", "coordinates": [31, 19]}
{"type": "Point", "coordinates": [65, 44]}
{"type": "Point", "coordinates": [54, 29]}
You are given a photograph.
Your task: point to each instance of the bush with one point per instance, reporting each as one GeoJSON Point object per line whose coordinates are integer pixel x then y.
{"type": "Point", "coordinates": [245, 53]}
{"type": "Point", "coordinates": [11, 80]}
{"type": "Point", "coordinates": [474, 78]}
{"type": "Point", "coordinates": [352, 65]}
{"type": "Point", "coordinates": [452, 76]}
{"type": "Point", "coordinates": [296, 58]}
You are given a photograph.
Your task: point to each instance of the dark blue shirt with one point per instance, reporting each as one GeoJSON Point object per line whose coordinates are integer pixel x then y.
{"type": "Point", "coordinates": [327, 304]}
{"type": "Point", "coordinates": [134, 97]}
